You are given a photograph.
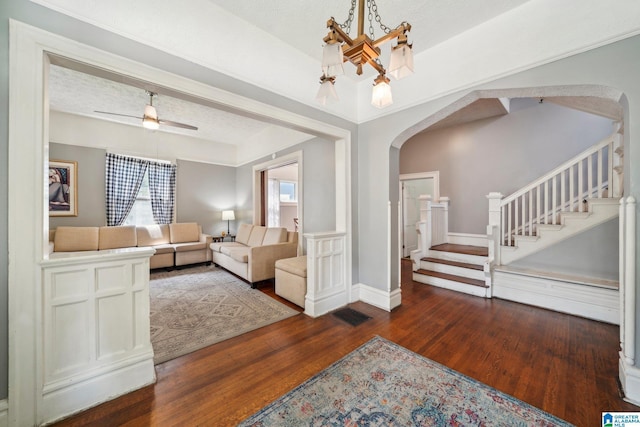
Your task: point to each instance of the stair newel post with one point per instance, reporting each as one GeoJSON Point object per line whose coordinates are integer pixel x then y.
{"type": "Point", "coordinates": [618, 160]}
{"type": "Point", "coordinates": [494, 230]}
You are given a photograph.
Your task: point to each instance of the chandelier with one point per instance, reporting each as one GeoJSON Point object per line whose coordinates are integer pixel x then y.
{"type": "Point", "coordinates": [364, 49]}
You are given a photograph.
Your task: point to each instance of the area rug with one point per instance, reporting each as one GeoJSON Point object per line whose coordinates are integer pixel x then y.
{"type": "Point", "coordinates": [383, 384]}
{"type": "Point", "coordinates": [196, 307]}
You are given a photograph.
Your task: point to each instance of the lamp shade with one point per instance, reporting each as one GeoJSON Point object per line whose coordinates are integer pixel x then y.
{"type": "Point", "coordinates": [228, 216]}
{"type": "Point", "coordinates": [401, 61]}
{"type": "Point", "coordinates": [150, 118]}
{"type": "Point", "coordinates": [327, 93]}
{"type": "Point", "coordinates": [332, 59]}
{"type": "Point", "coordinates": [381, 94]}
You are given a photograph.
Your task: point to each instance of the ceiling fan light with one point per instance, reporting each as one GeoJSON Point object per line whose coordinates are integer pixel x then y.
{"type": "Point", "coordinates": [401, 61]}
{"type": "Point", "coordinates": [150, 111]}
{"type": "Point", "coordinates": [327, 93]}
{"type": "Point", "coordinates": [332, 59]}
{"type": "Point", "coordinates": [381, 93]}
{"type": "Point", "coordinates": [150, 123]}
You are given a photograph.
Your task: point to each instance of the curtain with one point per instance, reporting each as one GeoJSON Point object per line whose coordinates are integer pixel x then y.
{"type": "Point", "coordinates": [123, 179]}
{"type": "Point", "coordinates": [162, 189]}
{"type": "Point", "coordinates": [273, 215]}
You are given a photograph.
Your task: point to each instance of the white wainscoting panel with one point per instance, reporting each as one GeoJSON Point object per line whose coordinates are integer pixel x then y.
{"type": "Point", "coordinates": [96, 337]}
{"type": "Point", "coordinates": [326, 273]}
{"type": "Point", "coordinates": [592, 302]}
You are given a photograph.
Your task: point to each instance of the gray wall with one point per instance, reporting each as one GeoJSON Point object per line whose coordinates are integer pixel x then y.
{"type": "Point", "coordinates": [203, 191]}
{"type": "Point", "coordinates": [499, 154]}
{"type": "Point", "coordinates": [318, 168]}
{"type": "Point", "coordinates": [91, 197]}
{"type": "Point", "coordinates": [593, 253]}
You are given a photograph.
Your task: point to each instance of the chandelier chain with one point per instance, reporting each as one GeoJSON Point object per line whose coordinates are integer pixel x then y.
{"type": "Point", "coordinates": [346, 25]}
{"type": "Point", "coordinates": [373, 10]}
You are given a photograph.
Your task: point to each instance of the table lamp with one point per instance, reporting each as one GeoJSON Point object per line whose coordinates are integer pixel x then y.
{"type": "Point", "coordinates": [228, 216]}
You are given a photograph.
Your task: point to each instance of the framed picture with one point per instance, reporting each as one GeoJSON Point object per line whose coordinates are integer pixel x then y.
{"type": "Point", "coordinates": [63, 188]}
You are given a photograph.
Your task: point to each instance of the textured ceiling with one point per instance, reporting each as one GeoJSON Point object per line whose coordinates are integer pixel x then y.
{"type": "Point", "coordinates": [301, 25]}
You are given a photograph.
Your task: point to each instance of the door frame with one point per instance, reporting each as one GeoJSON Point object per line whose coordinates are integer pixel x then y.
{"type": "Point", "coordinates": [410, 177]}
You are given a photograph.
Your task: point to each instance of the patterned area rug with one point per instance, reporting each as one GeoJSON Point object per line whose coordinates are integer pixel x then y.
{"type": "Point", "coordinates": [383, 384]}
{"type": "Point", "coordinates": [200, 306]}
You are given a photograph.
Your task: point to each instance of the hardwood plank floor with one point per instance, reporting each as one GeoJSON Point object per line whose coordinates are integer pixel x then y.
{"type": "Point", "coordinates": [562, 364]}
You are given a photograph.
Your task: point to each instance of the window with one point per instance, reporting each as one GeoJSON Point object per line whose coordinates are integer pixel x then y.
{"type": "Point", "coordinates": [288, 191]}
{"type": "Point", "coordinates": [141, 213]}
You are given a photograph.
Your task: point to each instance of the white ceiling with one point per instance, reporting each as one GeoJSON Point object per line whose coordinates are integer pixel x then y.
{"type": "Point", "coordinates": [457, 43]}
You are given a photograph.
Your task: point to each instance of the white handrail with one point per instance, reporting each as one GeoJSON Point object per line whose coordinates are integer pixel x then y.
{"type": "Point", "coordinates": [563, 167]}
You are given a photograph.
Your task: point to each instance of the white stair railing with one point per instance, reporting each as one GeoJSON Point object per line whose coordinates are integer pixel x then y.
{"type": "Point", "coordinates": [564, 189]}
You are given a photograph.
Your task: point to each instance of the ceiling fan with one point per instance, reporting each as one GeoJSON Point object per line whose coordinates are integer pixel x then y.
{"type": "Point", "coordinates": [150, 118]}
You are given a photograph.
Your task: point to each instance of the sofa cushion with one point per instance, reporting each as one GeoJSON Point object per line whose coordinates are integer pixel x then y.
{"type": "Point", "coordinates": [217, 246]}
{"type": "Point", "coordinates": [152, 235]}
{"type": "Point", "coordinates": [184, 232]}
{"type": "Point", "coordinates": [240, 254]}
{"type": "Point", "coordinates": [167, 248]}
{"type": "Point", "coordinates": [244, 231]}
{"type": "Point", "coordinates": [297, 265]}
{"type": "Point", "coordinates": [71, 239]}
{"type": "Point", "coordinates": [185, 247]}
{"type": "Point", "coordinates": [257, 235]}
{"type": "Point", "coordinates": [123, 236]}
{"type": "Point", "coordinates": [274, 235]}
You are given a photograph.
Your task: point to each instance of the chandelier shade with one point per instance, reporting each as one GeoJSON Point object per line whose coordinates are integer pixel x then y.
{"type": "Point", "coordinates": [327, 92]}
{"type": "Point", "coordinates": [401, 61]}
{"type": "Point", "coordinates": [364, 49]}
{"type": "Point", "coordinates": [332, 59]}
{"type": "Point", "coordinates": [381, 93]}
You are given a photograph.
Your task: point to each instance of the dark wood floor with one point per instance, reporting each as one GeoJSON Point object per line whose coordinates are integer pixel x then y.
{"type": "Point", "coordinates": [562, 364]}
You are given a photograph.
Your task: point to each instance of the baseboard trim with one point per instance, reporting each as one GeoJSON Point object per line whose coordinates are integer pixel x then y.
{"type": "Point", "coordinates": [325, 303]}
{"type": "Point", "coordinates": [386, 300]}
{"type": "Point", "coordinates": [629, 380]}
{"type": "Point", "coordinates": [468, 239]}
{"type": "Point", "coordinates": [4, 413]}
{"type": "Point", "coordinates": [586, 301]}
{"type": "Point", "coordinates": [79, 396]}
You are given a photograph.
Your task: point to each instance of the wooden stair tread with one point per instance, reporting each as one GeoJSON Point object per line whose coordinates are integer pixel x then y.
{"type": "Point", "coordinates": [454, 263]}
{"type": "Point", "coordinates": [462, 249]}
{"type": "Point", "coordinates": [452, 277]}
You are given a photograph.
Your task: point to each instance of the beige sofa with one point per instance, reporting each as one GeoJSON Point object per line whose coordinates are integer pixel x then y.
{"type": "Point", "coordinates": [175, 244]}
{"type": "Point", "coordinates": [255, 251]}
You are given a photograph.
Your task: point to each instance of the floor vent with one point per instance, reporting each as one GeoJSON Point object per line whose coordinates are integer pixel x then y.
{"type": "Point", "coordinates": [351, 316]}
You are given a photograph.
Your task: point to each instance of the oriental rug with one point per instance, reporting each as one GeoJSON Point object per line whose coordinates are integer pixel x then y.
{"type": "Point", "coordinates": [384, 384]}
{"type": "Point", "coordinates": [196, 307]}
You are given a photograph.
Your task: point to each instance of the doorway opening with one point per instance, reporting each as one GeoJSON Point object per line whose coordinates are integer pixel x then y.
{"type": "Point", "coordinates": [412, 186]}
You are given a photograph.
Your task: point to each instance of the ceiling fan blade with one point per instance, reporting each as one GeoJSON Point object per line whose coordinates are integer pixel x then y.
{"type": "Point", "coordinates": [117, 114]}
{"type": "Point", "coordinates": [176, 124]}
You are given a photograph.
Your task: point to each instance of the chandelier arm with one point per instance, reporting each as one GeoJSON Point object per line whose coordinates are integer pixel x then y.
{"type": "Point", "coordinates": [333, 25]}
{"type": "Point", "coordinates": [392, 34]}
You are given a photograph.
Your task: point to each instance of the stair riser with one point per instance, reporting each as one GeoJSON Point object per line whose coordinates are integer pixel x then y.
{"type": "Point", "coordinates": [451, 285]}
{"type": "Point", "coordinates": [451, 256]}
{"type": "Point", "coordinates": [450, 269]}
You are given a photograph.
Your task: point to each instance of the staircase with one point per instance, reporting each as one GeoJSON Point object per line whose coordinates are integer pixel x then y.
{"type": "Point", "coordinates": [456, 267]}
{"type": "Point", "coordinates": [576, 196]}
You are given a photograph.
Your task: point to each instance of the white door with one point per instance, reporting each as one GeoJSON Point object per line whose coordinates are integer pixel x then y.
{"type": "Point", "coordinates": [411, 191]}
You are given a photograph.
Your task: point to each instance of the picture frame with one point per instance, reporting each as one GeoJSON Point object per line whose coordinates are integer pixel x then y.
{"type": "Point", "coordinates": [63, 188]}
